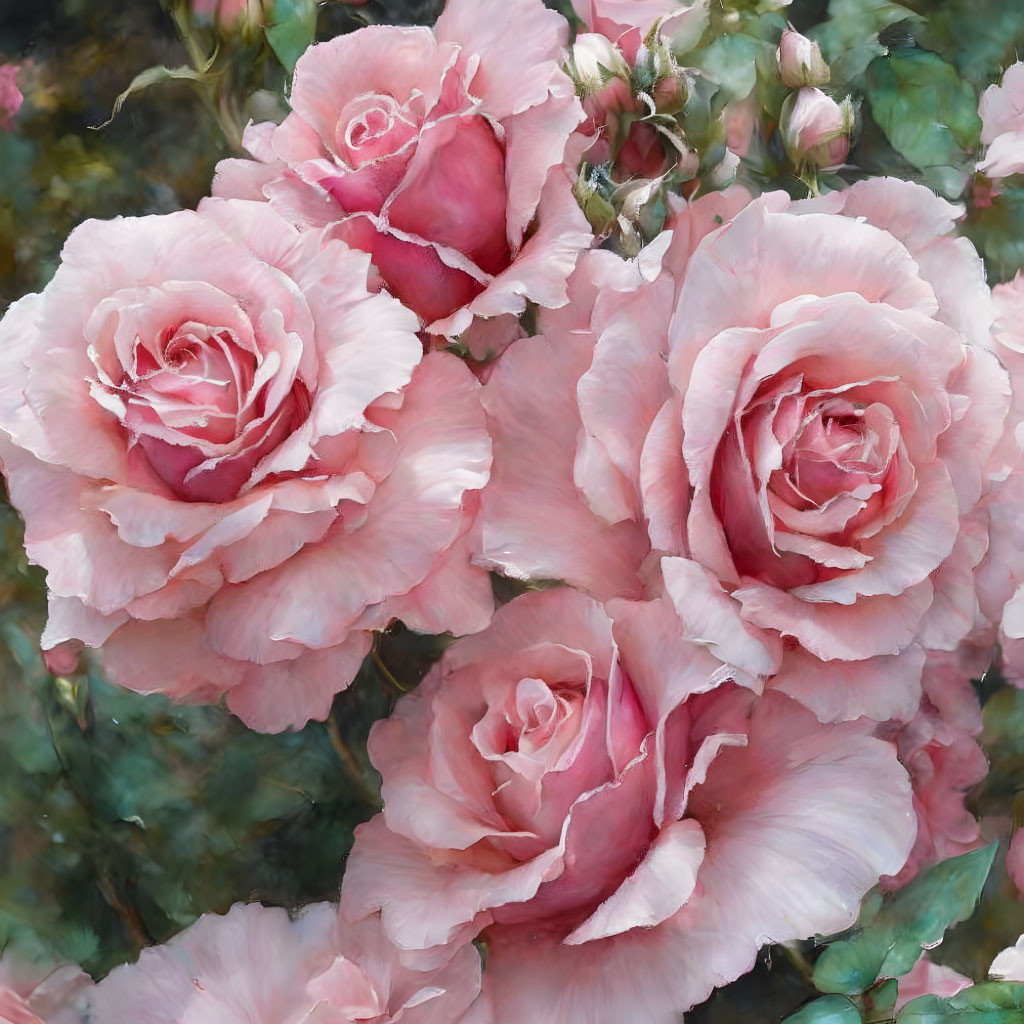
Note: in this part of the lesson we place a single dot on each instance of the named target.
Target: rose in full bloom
(618, 814)
(32, 994)
(440, 153)
(1002, 125)
(229, 458)
(255, 964)
(939, 750)
(785, 414)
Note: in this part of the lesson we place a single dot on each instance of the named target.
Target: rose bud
(229, 14)
(595, 60)
(816, 129)
(800, 61)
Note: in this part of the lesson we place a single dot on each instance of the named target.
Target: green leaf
(849, 39)
(291, 27)
(828, 1010)
(991, 1003)
(914, 918)
(928, 113)
(152, 76)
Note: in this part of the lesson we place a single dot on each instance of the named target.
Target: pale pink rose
(228, 454)
(255, 965)
(938, 748)
(440, 153)
(816, 129)
(813, 459)
(929, 979)
(685, 19)
(35, 994)
(1002, 125)
(854, 365)
(618, 815)
(10, 95)
(800, 61)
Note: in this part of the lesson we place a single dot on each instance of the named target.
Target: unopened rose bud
(595, 59)
(800, 61)
(229, 14)
(816, 129)
(10, 95)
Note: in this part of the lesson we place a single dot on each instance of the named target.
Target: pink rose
(800, 61)
(254, 964)
(616, 813)
(813, 457)
(929, 979)
(440, 153)
(32, 994)
(10, 95)
(1002, 125)
(939, 750)
(228, 454)
(1009, 964)
(816, 129)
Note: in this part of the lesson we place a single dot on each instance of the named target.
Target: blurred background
(122, 817)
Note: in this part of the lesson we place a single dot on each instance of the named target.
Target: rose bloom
(786, 415)
(229, 458)
(939, 749)
(440, 153)
(618, 814)
(255, 964)
(32, 994)
(1002, 125)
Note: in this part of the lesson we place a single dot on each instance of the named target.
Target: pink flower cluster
(773, 460)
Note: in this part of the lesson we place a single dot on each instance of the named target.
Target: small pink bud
(62, 660)
(800, 61)
(10, 95)
(816, 129)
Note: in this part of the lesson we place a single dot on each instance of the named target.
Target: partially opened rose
(439, 152)
(798, 404)
(255, 965)
(229, 457)
(622, 821)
